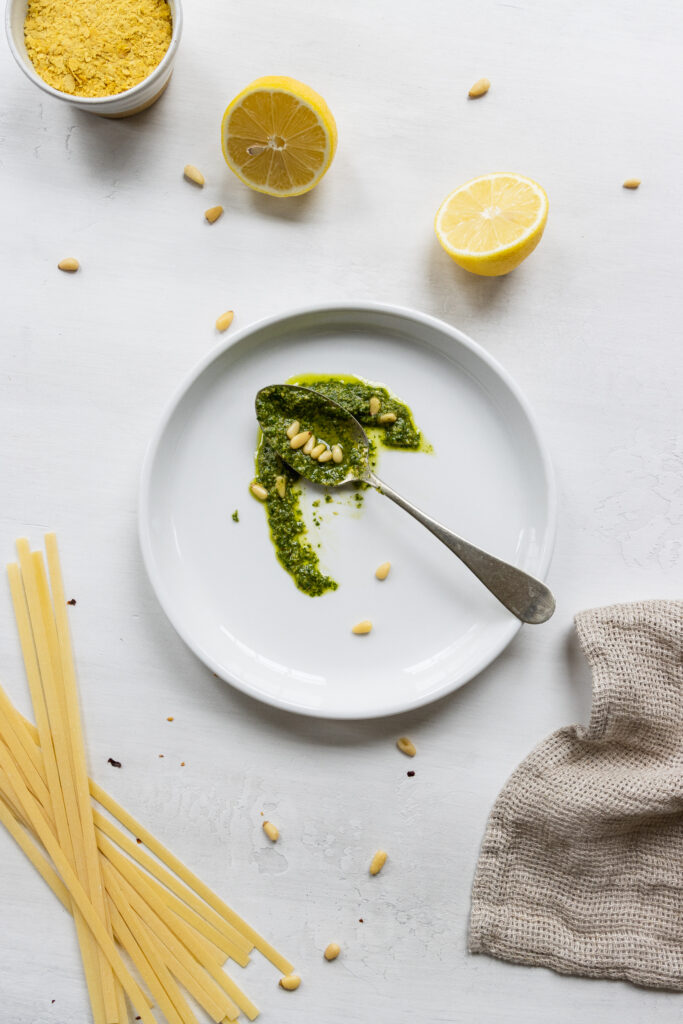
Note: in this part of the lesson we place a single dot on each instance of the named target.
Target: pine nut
(317, 451)
(213, 213)
(387, 417)
(332, 951)
(280, 486)
(194, 175)
(271, 831)
(326, 456)
(382, 571)
(631, 183)
(224, 320)
(293, 429)
(310, 445)
(258, 490)
(299, 440)
(479, 88)
(378, 862)
(406, 746)
(337, 453)
(290, 982)
(362, 627)
(70, 264)
(375, 405)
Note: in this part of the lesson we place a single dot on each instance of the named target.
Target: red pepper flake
(170, 718)
(182, 764)
(72, 601)
(410, 774)
(161, 755)
(138, 840)
(113, 763)
(360, 920)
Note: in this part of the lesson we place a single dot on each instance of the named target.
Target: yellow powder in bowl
(96, 47)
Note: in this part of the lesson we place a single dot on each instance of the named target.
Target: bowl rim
(96, 102)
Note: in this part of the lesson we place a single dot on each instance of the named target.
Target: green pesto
(236, 516)
(354, 395)
(287, 527)
(285, 518)
(276, 411)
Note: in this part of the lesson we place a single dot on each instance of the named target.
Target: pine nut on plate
(194, 175)
(213, 213)
(70, 264)
(480, 88)
(224, 320)
(378, 862)
(271, 831)
(258, 490)
(293, 429)
(290, 982)
(362, 627)
(332, 951)
(406, 746)
(300, 439)
(382, 571)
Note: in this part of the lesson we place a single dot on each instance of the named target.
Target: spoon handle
(527, 598)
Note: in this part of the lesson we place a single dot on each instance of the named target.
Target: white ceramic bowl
(123, 104)
(435, 626)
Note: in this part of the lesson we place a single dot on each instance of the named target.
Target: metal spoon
(280, 404)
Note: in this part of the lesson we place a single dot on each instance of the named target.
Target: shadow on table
(458, 292)
(295, 209)
(327, 732)
(579, 676)
(113, 144)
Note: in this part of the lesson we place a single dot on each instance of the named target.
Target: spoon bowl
(280, 406)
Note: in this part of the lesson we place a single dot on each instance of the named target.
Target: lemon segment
(491, 224)
(279, 136)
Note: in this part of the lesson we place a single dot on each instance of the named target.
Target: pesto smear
(283, 504)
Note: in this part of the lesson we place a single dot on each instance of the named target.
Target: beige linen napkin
(581, 867)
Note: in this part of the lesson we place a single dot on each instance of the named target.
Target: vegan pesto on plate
(388, 422)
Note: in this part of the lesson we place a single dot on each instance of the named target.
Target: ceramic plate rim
(453, 682)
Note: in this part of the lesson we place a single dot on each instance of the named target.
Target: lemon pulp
(279, 136)
(491, 224)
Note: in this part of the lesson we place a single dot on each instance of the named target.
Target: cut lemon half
(492, 223)
(279, 136)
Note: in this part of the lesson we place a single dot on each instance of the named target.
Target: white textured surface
(583, 96)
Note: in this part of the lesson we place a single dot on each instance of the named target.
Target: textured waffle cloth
(581, 867)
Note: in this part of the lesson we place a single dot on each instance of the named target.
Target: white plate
(435, 625)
